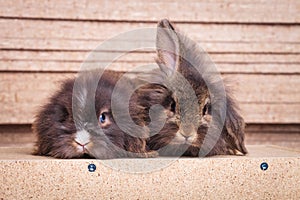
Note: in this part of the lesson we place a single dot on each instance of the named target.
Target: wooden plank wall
(256, 43)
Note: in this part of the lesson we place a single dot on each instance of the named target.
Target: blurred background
(255, 43)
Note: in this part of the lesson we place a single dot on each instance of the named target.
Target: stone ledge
(222, 177)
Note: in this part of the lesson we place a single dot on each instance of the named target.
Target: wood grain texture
(271, 113)
(83, 45)
(16, 135)
(56, 61)
(86, 36)
(285, 135)
(139, 56)
(254, 11)
(82, 30)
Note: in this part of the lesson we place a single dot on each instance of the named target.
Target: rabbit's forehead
(188, 111)
(105, 109)
(103, 106)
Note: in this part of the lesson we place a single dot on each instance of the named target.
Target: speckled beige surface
(24, 176)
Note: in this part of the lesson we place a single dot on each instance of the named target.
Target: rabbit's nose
(188, 130)
(82, 137)
(186, 137)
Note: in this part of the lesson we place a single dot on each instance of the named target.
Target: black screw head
(264, 166)
(92, 167)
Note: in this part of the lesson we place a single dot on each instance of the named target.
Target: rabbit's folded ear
(168, 47)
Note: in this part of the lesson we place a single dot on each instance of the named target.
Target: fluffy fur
(187, 126)
(188, 95)
(57, 135)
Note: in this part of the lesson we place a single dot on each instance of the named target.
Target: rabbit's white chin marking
(82, 138)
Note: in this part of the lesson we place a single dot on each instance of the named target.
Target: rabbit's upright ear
(168, 47)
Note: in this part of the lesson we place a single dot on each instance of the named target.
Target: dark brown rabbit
(195, 124)
(68, 126)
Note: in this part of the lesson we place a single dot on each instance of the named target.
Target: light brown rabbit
(202, 117)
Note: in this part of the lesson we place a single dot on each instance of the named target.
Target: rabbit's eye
(102, 118)
(173, 106)
(207, 109)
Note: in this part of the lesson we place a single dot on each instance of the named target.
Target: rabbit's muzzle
(187, 130)
(186, 134)
(82, 141)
